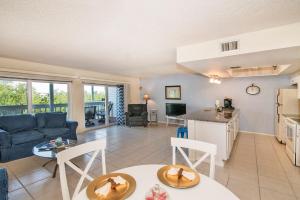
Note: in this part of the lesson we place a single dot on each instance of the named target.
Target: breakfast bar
(220, 128)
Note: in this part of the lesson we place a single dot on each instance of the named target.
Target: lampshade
(146, 97)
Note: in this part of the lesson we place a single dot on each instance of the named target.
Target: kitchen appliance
(287, 105)
(228, 103)
(293, 139)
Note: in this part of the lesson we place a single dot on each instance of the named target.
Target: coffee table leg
(46, 163)
(54, 172)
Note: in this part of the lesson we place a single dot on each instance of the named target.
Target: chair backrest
(90, 112)
(65, 156)
(207, 148)
(137, 109)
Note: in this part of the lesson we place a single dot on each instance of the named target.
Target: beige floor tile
(33, 176)
(267, 194)
(296, 189)
(23, 165)
(275, 185)
(45, 189)
(13, 182)
(19, 194)
(252, 155)
(244, 176)
(272, 172)
(243, 190)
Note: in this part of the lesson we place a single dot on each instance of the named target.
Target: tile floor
(258, 168)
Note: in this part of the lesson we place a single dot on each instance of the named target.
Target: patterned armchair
(137, 115)
(3, 184)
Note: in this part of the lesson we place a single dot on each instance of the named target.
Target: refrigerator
(287, 105)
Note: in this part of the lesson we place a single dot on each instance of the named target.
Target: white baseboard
(170, 123)
(257, 133)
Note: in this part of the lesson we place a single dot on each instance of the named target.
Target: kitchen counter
(211, 115)
(220, 128)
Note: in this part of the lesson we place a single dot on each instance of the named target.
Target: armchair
(137, 115)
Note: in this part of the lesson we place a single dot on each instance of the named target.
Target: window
(49, 97)
(45, 97)
(13, 97)
(40, 97)
(61, 99)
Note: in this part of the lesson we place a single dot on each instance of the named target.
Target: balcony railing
(41, 108)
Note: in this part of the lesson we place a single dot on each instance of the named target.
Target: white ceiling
(136, 38)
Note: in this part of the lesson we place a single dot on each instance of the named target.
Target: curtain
(120, 105)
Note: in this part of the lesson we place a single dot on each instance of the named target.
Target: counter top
(211, 115)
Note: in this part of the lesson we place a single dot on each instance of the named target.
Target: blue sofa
(20, 133)
(3, 184)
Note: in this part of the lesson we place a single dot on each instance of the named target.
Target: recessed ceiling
(288, 60)
(136, 38)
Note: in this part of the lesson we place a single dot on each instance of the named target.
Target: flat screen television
(175, 109)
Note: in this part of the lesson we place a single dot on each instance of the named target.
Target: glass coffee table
(50, 153)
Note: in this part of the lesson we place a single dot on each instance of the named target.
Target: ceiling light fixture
(215, 79)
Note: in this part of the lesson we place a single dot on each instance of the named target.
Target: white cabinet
(230, 137)
(221, 134)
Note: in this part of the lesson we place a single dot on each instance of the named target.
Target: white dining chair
(208, 149)
(65, 156)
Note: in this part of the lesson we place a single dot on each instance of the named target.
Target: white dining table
(146, 177)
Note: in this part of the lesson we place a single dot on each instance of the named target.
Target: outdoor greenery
(98, 95)
(15, 93)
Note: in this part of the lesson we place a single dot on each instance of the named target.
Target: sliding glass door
(95, 105)
(100, 105)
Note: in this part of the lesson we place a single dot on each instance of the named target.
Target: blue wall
(257, 112)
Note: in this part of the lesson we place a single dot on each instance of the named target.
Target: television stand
(180, 118)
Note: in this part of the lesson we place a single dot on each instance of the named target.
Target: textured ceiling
(136, 38)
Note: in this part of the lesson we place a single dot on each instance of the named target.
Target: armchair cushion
(26, 136)
(24, 123)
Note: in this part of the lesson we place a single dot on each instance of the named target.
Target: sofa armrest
(5, 139)
(72, 125)
(3, 184)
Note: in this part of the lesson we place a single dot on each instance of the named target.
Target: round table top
(146, 178)
(48, 153)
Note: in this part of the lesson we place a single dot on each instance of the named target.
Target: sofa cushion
(137, 119)
(40, 120)
(54, 132)
(16, 123)
(56, 120)
(26, 136)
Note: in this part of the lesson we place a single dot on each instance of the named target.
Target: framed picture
(173, 92)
